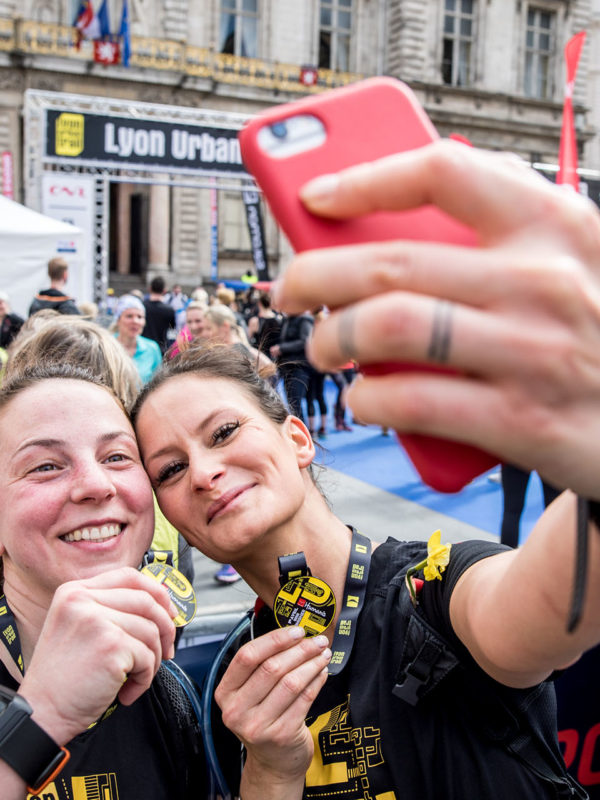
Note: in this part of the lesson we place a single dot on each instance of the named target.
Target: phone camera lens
(279, 130)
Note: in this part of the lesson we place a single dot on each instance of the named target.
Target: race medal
(179, 588)
(305, 601)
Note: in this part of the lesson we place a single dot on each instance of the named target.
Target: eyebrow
(106, 437)
(201, 427)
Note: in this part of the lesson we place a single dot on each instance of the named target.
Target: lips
(222, 502)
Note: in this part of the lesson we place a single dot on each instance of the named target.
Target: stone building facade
(491, 70)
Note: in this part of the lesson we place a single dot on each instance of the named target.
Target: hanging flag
(256, 230)
(107, 52)
(103, 20)
(567, 156)
(125, 35)
(86, 22)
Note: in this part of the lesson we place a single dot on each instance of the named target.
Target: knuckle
(392, 266)
(271, 667)
(292, 684)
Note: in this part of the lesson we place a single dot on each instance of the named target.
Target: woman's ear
(302, 440)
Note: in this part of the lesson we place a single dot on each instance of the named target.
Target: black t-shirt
(132, 753)
(160, 319)
(372, 744)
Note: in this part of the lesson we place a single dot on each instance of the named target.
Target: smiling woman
(425, 672)
(76, 517)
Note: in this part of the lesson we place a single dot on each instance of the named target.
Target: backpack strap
(181, 708)
(218, 783)
(426, 660)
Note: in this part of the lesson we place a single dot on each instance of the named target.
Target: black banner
(101, 140)
(256, 229)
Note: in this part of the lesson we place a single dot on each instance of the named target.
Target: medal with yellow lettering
(177, 585)
(302, 600)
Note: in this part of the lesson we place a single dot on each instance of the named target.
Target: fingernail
(321, 641)
(320, 188)
(327, 654)
(296, 632)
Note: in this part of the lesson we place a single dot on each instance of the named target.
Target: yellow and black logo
(305, 601)
(69, 130)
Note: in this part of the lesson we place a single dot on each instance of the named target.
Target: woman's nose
(92, 482)
(204, 472)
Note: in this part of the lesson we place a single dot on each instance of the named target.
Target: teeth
(93, 534)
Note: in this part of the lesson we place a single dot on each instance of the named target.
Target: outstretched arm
(511, 609)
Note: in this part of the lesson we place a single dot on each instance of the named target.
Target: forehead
(188, 396)
(60, 404)
(133, 312)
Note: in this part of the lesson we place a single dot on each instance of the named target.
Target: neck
(60, 285)
(318, 533)
(30, 612)
(128, 342)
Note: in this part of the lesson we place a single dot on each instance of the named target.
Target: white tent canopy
(28, 240)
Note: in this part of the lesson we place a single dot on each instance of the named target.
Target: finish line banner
(102, 140)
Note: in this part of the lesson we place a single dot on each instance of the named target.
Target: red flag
(107, 52)
(567, 156)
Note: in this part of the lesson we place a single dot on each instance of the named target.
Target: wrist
(46, 715)
(27, 749)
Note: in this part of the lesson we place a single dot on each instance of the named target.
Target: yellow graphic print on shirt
(343, 758)
(85, 787)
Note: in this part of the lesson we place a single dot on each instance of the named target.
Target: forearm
(517, 605)
(259, 784)
(13, 786)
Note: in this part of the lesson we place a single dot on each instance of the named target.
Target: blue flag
(103, 19)
(125, 35)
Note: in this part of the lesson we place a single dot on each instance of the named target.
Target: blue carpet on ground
(365, 453)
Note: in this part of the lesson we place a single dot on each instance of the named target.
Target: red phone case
(363, 122)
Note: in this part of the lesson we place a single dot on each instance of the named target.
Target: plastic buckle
(51, 771)
(408, 690)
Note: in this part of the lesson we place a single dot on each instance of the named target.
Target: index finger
(481, 189)
(130, 578)
(255, 652)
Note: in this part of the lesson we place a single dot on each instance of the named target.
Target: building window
(539, 49)
(459, 36)
(239, 28)
(335, 28)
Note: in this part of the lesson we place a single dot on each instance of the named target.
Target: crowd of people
(432, 649)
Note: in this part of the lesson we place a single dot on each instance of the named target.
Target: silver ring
(441, 333)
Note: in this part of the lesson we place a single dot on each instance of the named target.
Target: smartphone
(286, 146)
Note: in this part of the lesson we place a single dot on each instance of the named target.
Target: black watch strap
(29, 750)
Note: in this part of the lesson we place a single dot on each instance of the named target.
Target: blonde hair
(81, 343)
(225, 295)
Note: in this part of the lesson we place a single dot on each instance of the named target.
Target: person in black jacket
(292, 363)
(10, 324)
(54, 297)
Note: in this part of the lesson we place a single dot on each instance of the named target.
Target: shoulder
(148, 345)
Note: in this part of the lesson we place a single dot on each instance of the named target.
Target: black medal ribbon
(355, 589)
(9, 635)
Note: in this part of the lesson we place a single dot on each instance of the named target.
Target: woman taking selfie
(418, 701)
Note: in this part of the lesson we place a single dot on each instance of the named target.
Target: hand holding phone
(288, 145)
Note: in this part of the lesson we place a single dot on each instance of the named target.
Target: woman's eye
(168, 471)
(44, 468)
(224, 432)
(116, 458)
